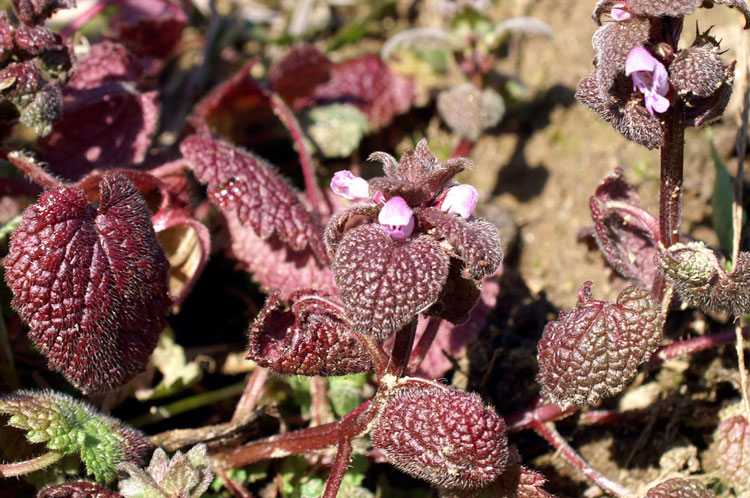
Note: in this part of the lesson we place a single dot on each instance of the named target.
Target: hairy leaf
(730, 452)
(70, 426)
(343, 220)
(656, 8)
(36, 11)
(91, 283)
(31, 41)
(241, 183)
(312, 338)
(336, 129)
(592, 351)
(184, 475)
(369, 84)
(680, 488)
(469, 111)
(107, 122)
(701, 281)
(151, 27)
(79, 489)
(273, 264)
(627, 235)
(475, 241)
(37, 102)
(442, 435)
(384, 283)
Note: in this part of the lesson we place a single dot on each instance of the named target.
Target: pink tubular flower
(620, 12)
(461, 199)
(397, 218)
(348, 186)
(649, 77)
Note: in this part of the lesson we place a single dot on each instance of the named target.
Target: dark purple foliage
(680, 488)
(627, 235)
(107, 121)
(368, 83)
(442, 435)
(36, 11)
(296, 76)
(385, 283)
(79, 489)
(149, 27)
(90, 282)
(37, 102)
(730, 452)
(592, 351)
(312, 338)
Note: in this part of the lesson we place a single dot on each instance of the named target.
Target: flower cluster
(426, 247)
(640, 74)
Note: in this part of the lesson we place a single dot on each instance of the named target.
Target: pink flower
(397, 218)
(620, 12)
(649, 77)
(348, 186)
(461, 199)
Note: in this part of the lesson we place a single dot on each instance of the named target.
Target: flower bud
(461, 199)
(348, 186)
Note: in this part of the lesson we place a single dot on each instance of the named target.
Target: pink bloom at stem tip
(650, 78)
(461, 199)
(397, 218)
(620, 12)
(348, 186)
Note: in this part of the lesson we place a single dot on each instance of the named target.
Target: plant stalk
(16, 469)
(340, 465)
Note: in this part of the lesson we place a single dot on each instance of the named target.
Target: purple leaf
(90, 282)
(627, 235)
(241, 183)
(31, 41)
(37, 102)
(475, 241)
(699, 279)
(385, 283)
(680, 488)
(295, 76)
(730, 452)
(312, 338)
(592, 351)
(151, 27)
(79, 489)
(458, 297)
(36, 11)
(369, 84)
(442, 435)
(107, 122)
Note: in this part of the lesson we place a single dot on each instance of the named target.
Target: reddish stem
(33, 170)
(463, 149)
(690, 346)
(321, 407)
(556, 440)
(401, 351)
(235, 488)
(378, 357)
(16, 469)
(84, 17)
(314, 195)
(352, 425)
(250, 396)
(425, 341)
(340, 465)
(538, 415)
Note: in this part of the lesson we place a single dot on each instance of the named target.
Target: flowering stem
(425, 341)
(670, 189)
(402, 347)
(16, 469)
(548, 432)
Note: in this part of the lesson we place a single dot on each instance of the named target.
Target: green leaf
(301, 393)
(345, 392)
(177, 373)
(722, 200)
(337, 129)
(70, 426)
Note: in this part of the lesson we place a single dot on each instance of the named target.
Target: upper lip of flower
(649, 77)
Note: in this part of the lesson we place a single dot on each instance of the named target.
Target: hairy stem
(237, 489)
(33, 170)
(377, 355)
(343, 457)
(250, 395)
(670, 189)
(16, 469)
(548, 432)
(321, 408)
(87, 15)
(425, 341)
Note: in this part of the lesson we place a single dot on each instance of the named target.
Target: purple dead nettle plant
(409, 245)
(649, 89)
